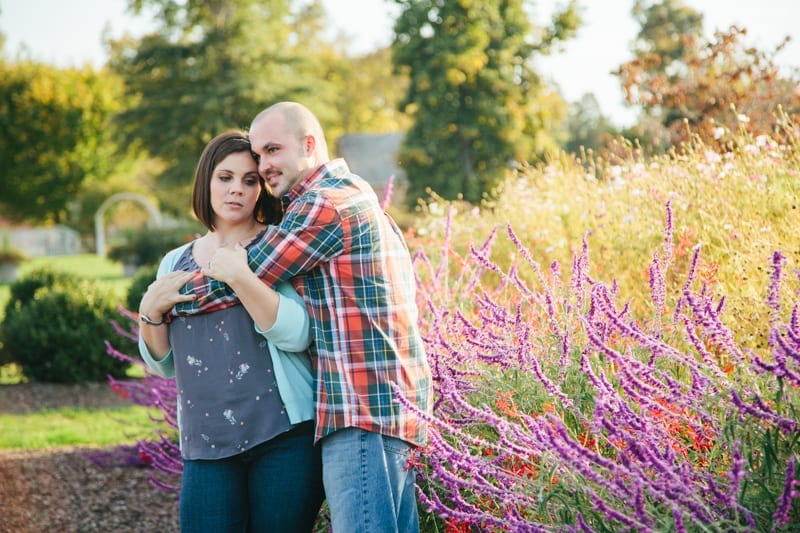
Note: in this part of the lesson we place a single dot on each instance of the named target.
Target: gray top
(228, 400)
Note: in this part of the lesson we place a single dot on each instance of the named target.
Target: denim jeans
(368, 482)
(274, 487)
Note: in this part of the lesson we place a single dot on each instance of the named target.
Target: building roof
(373, 156)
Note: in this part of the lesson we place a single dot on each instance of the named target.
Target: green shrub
(23, 290)
(57, 331)
(141, 280)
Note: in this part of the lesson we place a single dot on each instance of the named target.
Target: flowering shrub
(558, 409)
(162, 452)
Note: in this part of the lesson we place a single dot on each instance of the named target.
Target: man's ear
(310, 145)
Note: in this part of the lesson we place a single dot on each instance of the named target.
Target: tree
(668, 29)
(372, 94)
(586, 126)
(476, 103)
(212, 66)
(55, 136)
(690, 86)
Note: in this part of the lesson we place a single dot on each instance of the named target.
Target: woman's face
(235, 188)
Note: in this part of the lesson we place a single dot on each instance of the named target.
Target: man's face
(283, 159)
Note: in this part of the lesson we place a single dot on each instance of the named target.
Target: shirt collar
(330, 169)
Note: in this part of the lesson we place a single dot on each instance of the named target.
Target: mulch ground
(75, 489)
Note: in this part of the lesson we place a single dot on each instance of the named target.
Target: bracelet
(147, 320)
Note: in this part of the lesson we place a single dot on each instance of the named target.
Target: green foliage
(44, 271)
(56, 326)
(55, 135)
(24, 289)
(667, 29)
(141, 280)
(134, 173)
(371, 102)
(476, 103)
(10, 373)
(586, 126)
(211, 67)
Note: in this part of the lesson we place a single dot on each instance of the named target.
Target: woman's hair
(268, 209)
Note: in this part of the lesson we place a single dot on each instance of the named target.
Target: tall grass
(739, 206)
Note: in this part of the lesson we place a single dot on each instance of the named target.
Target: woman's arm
(157, 301)
(291, 331)
(229, 265)
(279, 314)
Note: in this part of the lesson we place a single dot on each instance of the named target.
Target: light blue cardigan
(288, 339)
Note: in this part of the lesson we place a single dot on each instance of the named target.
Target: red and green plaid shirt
(348, 259)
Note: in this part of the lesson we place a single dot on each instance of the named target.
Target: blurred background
(107, 104)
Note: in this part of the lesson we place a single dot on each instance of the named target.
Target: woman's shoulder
(171, 258)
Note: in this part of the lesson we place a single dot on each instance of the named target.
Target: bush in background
(147, 247)
(141, 280)
(55, 328)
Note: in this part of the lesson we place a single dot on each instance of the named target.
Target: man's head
(289, 144)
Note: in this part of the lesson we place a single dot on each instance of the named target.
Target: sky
(69, 33)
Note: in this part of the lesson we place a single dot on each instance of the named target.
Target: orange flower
(454, 526)
(505, 405)
(685, 243)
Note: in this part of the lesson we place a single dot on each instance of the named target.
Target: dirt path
(75, 489)
(62, 490)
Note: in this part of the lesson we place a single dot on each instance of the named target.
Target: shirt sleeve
(291, 331)
(164, 367)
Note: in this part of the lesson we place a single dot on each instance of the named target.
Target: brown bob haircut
(268, 209)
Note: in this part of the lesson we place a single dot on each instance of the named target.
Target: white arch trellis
(99, 229)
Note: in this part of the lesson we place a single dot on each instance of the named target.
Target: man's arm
(310, 233)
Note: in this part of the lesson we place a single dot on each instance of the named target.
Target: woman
(244, 382)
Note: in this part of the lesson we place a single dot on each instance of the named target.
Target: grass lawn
(74, 427)
(90, 266)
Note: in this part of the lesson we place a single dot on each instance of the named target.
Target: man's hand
(228, 265)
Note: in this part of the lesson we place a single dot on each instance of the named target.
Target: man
(349, 261)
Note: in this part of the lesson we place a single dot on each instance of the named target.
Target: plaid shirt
(349, 261)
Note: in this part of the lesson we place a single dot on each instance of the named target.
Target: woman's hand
(164, 293)
(228, 265)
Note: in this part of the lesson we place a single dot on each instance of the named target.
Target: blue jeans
(368, 482)
(274, 487)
